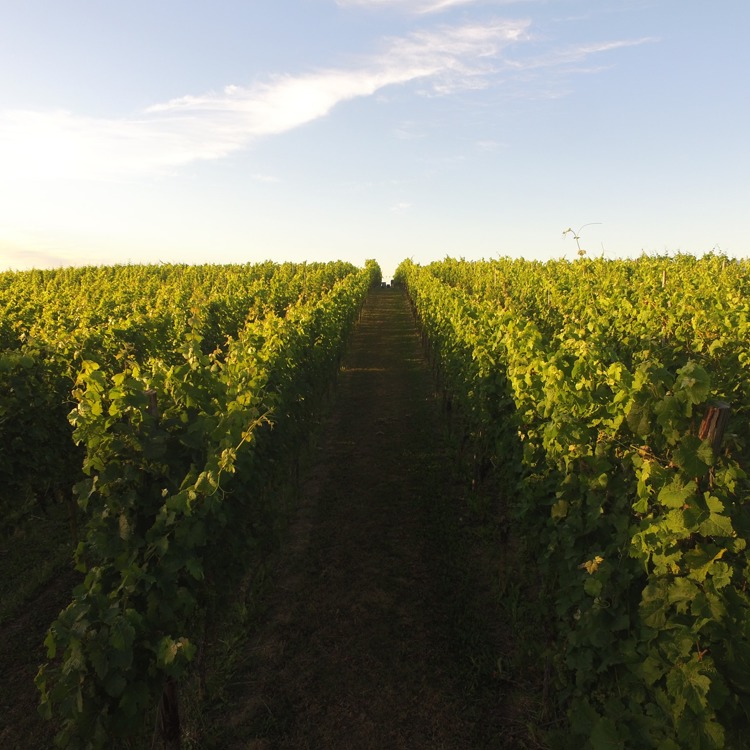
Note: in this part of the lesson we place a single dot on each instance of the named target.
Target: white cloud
(419, 6)
(401, 207)
(410, 6)
(166, 136)
(61, 144)
(568, 55)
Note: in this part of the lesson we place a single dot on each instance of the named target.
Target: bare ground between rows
(21, 652)
(378, 631)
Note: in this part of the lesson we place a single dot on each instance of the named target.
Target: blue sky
(184, 131)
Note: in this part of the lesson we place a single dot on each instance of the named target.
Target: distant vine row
(179, 456)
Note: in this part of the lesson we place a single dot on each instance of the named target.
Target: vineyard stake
(714, 424)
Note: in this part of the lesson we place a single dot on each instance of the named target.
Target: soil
(382, 629)
(21, 652)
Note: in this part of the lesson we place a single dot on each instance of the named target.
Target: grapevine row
(585, 386)
(181, 454)
(52, 321)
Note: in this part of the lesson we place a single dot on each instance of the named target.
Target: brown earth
(21, 653)
(382, 629)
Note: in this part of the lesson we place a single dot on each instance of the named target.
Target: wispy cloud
(562, 56)
(420, 7)
(409, 6)
(409, 131)
(400, 208)
(165, 136)
(171, 134)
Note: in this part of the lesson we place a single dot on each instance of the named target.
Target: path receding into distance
(380, 628)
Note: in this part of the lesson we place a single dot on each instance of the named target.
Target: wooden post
(169, 716)
(714, 424)
(153, 404)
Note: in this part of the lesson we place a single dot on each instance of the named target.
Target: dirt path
(21, 652)
(377, 633)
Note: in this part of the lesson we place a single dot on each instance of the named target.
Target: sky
(232, 132)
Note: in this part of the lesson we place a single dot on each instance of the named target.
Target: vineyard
(191, 389)
(613, 398)
(595, 413)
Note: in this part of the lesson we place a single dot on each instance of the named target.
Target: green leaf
(134, 699)
(669, 413)
(560, 509)
(681, 592)
(592, 586)
(195, 568)
(705, 453)
(685, 682)
(721, 574)
(51, 643)
(717, 526)
(638, 418)
(709, 606)
(701, 561)
(652, 670)
(676, 494)
(714, 733)
(169, 651)
(100, 662)
(693, 383)
(121, 635)
(582, 717)
(604, 736)
(690, 456)
(654, 605)
(114, 684)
